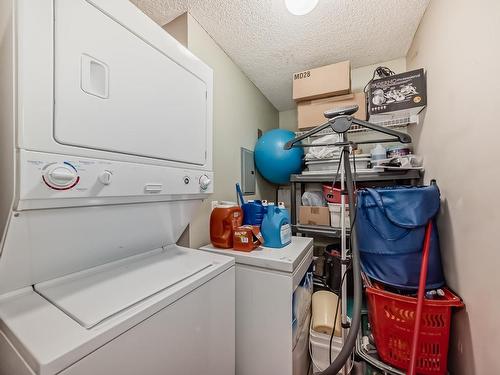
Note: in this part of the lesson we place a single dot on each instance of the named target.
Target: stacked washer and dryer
(106, 154)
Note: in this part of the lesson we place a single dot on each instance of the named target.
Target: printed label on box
(398, 92)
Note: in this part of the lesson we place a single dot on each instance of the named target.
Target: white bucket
(335, 209)
(324, 304)
(319, 344)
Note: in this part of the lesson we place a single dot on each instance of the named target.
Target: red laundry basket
(392, 318)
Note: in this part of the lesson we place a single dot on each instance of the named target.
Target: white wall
(7, 113)
(359, 78)
(240, 109)
(457, 42)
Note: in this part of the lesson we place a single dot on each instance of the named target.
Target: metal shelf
(411, 174)
(396, 123)
(322, 230)
(374, 360)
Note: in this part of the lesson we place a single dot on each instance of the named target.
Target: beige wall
(361, 75)
(240, 109)
(178, 28)
(457, 42)
(288, 119)
(359, 78)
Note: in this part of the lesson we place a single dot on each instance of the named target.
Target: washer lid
(91, 296)
(286, 259)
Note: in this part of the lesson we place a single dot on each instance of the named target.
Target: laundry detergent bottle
(253, 213)
(223, 221)
(275, 227)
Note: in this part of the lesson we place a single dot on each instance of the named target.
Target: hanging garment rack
(340, 120)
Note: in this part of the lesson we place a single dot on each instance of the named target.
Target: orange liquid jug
(223, 220)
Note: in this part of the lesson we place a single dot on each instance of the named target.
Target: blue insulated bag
(390, 228)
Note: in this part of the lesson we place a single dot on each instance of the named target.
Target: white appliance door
(118, 286)
(116, 92)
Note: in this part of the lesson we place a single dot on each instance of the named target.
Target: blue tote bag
(390, 229)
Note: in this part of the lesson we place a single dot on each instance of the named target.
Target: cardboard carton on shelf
(314, 215)
(397, 96)
(325, 81)
(310, 112)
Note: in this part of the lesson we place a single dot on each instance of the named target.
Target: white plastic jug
(378, 153)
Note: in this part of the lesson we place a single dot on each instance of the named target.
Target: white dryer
(106, 154)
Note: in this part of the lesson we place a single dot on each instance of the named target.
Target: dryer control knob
(204, 182)
(61, 176)
(105, 177)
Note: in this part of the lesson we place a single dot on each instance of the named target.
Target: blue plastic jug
(283, 209)
(275, 227)
(253, 212)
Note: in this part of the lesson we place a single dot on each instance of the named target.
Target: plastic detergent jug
(253, 212)
(223, 220)
(275, 227)
(281, 206)
(247, 238)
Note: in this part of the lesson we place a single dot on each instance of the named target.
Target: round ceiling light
(300, 7)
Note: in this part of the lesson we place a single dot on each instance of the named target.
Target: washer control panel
(48, 176)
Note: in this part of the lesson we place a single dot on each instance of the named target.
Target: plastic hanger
(340, 121)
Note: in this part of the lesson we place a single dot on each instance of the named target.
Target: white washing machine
(98, 183)
(273, 305)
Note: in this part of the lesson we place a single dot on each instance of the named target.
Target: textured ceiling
(269, 44)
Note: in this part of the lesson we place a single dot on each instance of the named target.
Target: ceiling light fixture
(300, 7)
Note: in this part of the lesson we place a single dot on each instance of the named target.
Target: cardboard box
(314, 215)
(397, 96)
(329, 80)
(310, 112)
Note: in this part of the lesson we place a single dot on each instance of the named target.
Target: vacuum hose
(351, 338)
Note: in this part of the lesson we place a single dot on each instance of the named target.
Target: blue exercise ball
(273, 162)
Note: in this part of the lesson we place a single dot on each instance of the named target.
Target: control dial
(61, 176)
(105, 177)
(204, 182)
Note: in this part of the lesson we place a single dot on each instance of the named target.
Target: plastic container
(313, 198)
(223, 220)
(281, 206)
(275, 227)
(323, 310)
(331, 166)
(319, 344)
(378, 153)
(301, 307)
(398, 150)
(392, 319)
(247, 238)
(335, 210)
(332, 194)
(253, 212)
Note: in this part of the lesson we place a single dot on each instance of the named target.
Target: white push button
(153, 188)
